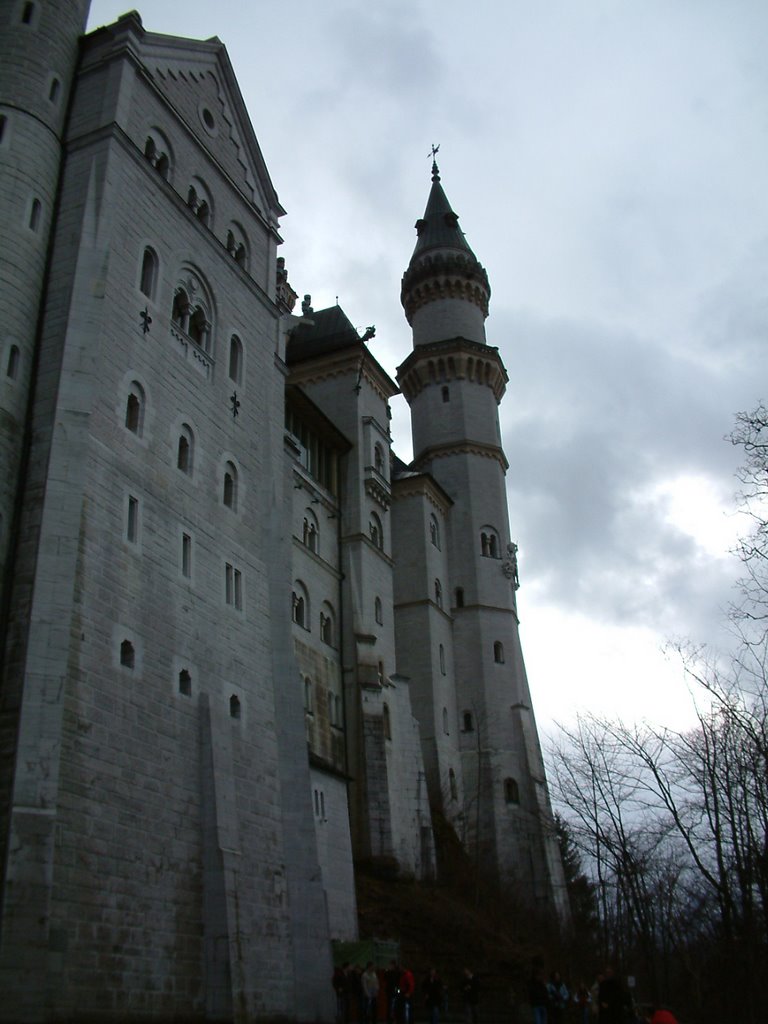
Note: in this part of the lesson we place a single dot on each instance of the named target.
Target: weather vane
(435, 151)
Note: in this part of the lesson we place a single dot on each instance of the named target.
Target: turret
(445, 289)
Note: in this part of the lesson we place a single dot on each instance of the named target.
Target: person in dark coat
(433, 995)
(612, 999)
(537, 996)
(470, 994)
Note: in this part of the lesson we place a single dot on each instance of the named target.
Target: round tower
(453, 382)
(38, 61)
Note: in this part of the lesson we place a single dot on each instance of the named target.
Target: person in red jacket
(407, 987)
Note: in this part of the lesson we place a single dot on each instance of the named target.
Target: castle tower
(453, 382)
(38, 58)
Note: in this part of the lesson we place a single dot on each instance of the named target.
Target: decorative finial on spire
(433, 154)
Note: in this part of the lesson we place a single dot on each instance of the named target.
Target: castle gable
(197, 80)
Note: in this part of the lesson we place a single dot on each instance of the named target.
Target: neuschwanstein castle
(244, 646)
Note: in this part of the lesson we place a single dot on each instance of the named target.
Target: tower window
(327, 625)
(148, 279)
(445, 721)
(230, 486)
(459, 597)
(3, 123)
(511, 791)
(378, 458)
(185, 683)
(438, 594)
(467, 724)
(186, 555)
(376, 532)
(308, 703)
(378, 611)
(134, 409)
(452, 784)
(386, 721)
(235, 359)
(434, 531)
(442, 659)
(233, 586)
(185, 450)
(12, 366)
(54, 90)
(132, 520)
(300, 605)
(489, 543)
(35, 214)
(498, 652)
(27, 13)
(310, 535)
(235, 709)
(127, 654)
(445, 391)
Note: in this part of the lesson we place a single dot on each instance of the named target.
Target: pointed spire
(439, 227)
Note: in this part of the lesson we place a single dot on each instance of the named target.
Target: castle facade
(245, 648)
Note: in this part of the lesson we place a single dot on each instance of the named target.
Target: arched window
(235, 709)
(445, 721)
(511, 791)
(235, 359)
(185, 450)
(489, 542)
(148, 278)
(54, 90)
(134, 409)
(452, 784)
(380, 673)
(199, 201)
(310, 534)
(467, 724)
(237, 245)
(229, 495)
(378, 458)
(459, 594)
(158, 153)
(127, 654)
(498, 652)
(378, 611)
(185, 683)
(300, 605)
(434, 531)
(375, 531)
(35, 214)
(438, 594)
(327, 624)
(12, 366)
(191, 310)
(386, 721)
(442, 659)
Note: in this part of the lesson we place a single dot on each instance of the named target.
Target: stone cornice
(356, 361)
(442, 451)
(454, 359)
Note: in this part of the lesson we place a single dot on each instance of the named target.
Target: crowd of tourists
(368, 996)
(365, 996)
(606, 1001)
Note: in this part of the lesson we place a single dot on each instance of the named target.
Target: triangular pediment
(197, 80)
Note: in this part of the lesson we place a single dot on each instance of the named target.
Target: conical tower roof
(443, 265)
(439, 227)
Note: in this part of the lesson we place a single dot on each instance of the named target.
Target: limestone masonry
(245, 648)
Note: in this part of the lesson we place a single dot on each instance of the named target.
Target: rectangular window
(132, 520)
(233, 586)
(186, 555)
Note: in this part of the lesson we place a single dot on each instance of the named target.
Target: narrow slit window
(127, 654)
(185, 683)
(54, 90)
(186, 555)
(235, 709)
(12, 367)
(148, 273)
(27, 13)
(35, 214)
(132, 522)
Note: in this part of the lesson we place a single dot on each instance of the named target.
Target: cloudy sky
(609, 163)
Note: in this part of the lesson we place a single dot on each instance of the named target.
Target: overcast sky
(608, 160)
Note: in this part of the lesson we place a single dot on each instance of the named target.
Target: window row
(232, 576)
(333, 703)
(300, 613)
(127, 657)
(199, 199)
(184, 452)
